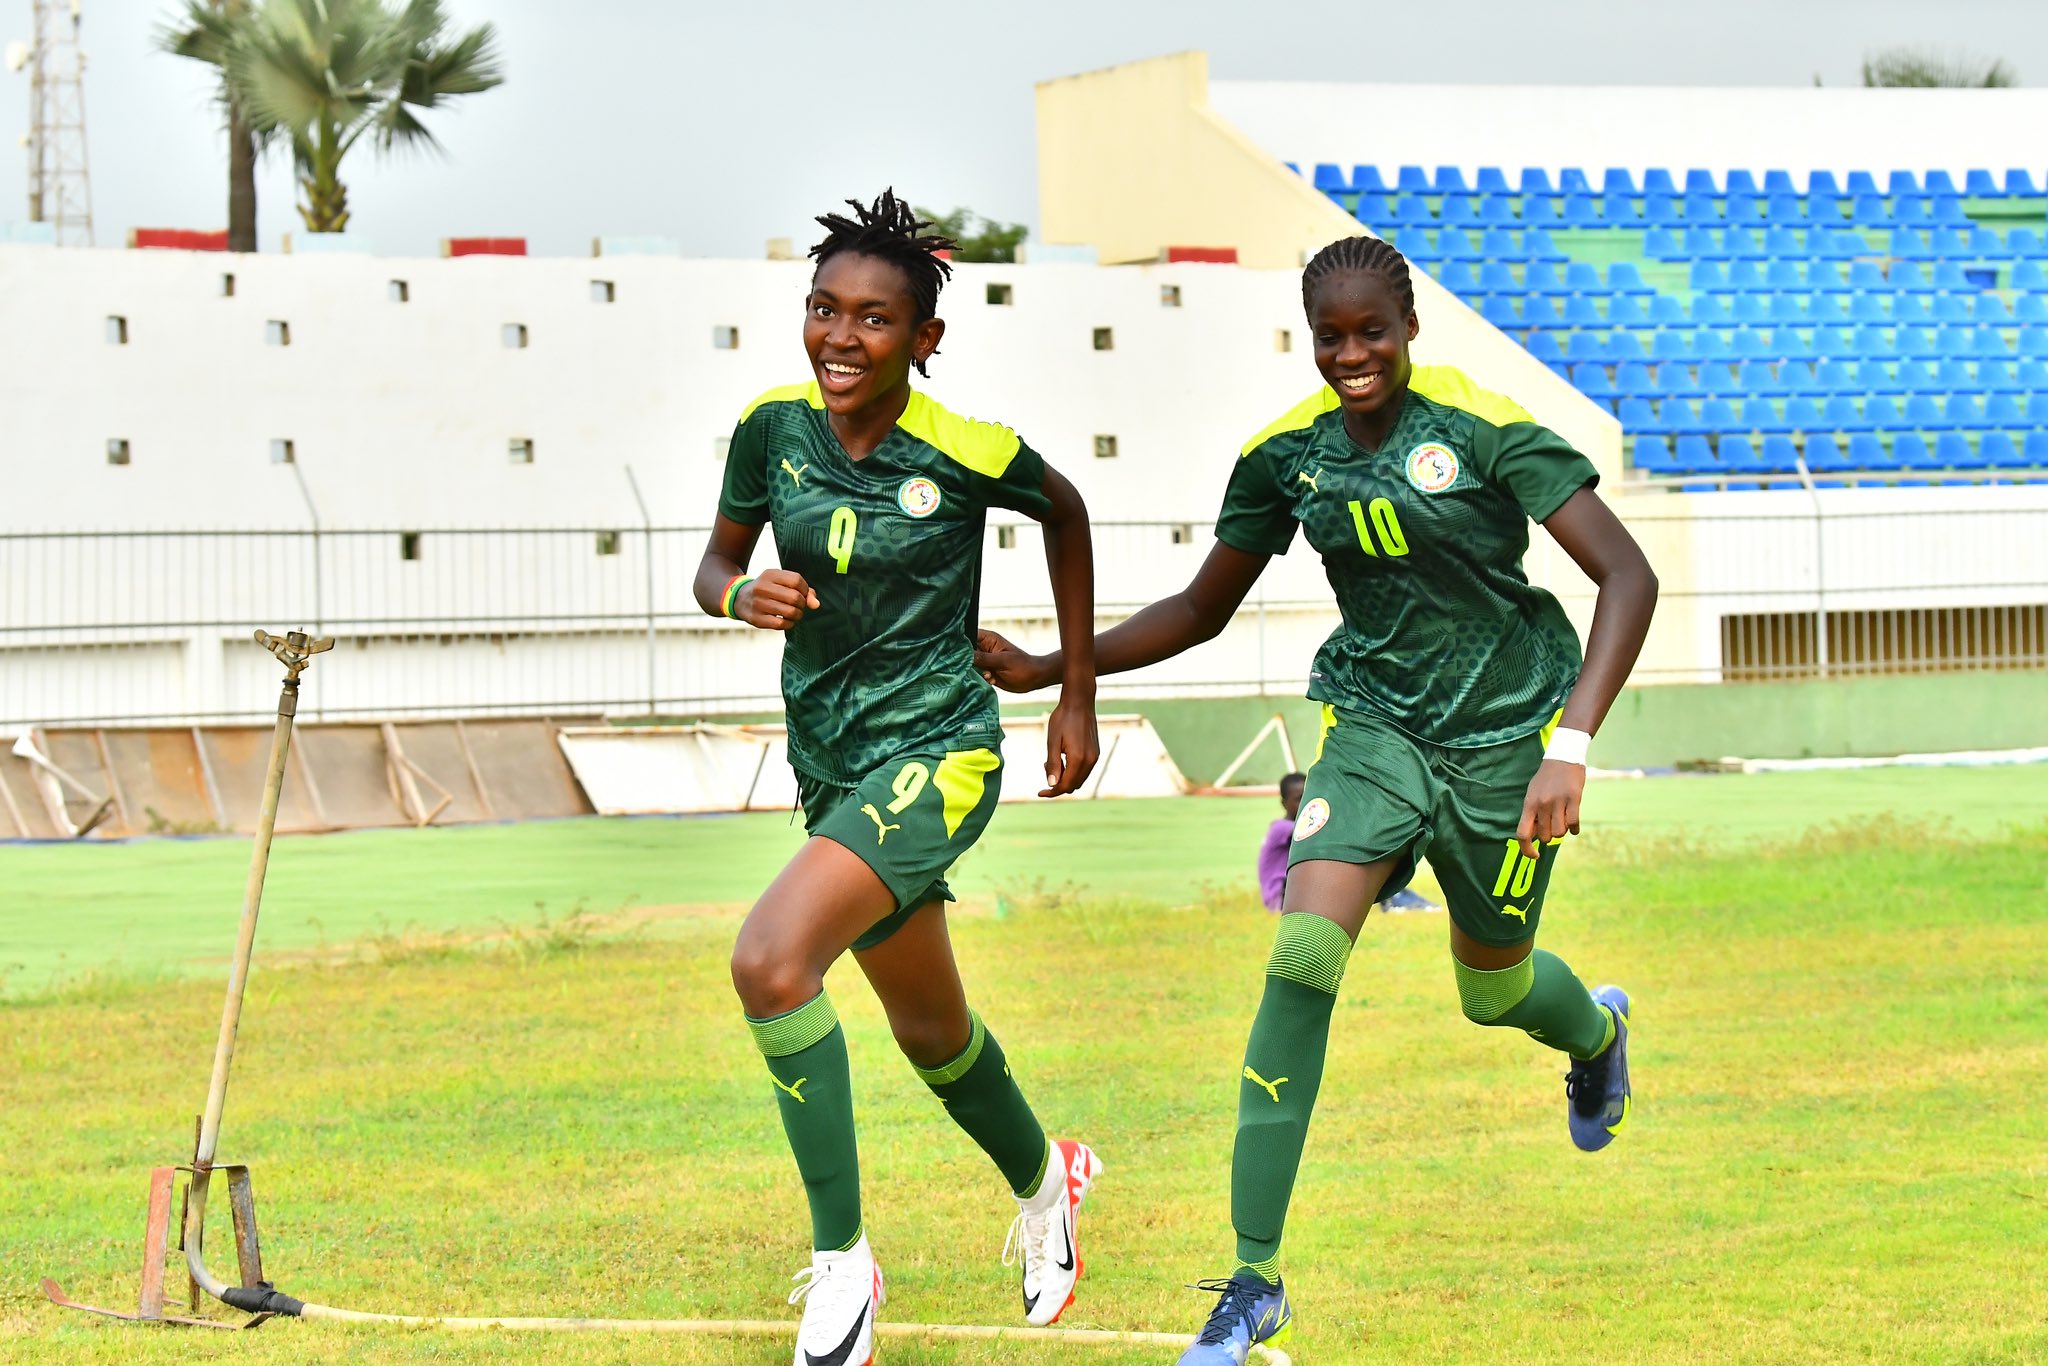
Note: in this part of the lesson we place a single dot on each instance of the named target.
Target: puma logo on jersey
(1310, 479)
(795, 1088)
(881, 830)
(1517, 912)
(795, 473)
(1271, 1088)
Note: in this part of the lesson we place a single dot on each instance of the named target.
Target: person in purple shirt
(1273, 849)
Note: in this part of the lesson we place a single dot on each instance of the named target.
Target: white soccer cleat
(840, 1294)
(1043, 1235)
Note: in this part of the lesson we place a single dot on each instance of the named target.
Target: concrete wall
(1676, 127)
(1133, 159)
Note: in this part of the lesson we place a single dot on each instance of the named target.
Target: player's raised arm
(1071, 742)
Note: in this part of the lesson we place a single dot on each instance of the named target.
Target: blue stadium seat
(1694, 455)
(1718, 377)
(1938, 184)
(1616, 180)
(1980, 185)
(1584, 348)
(1778, 182)
(1537, 246)
(1544, 346)
(1986, 343)
(1840, 415)
(1778, 455)
(1591, 379)
(1624, 348)
(1924, 411)
(1839, 245)
(1946, 245)
(1458, 212)
(2024, 242)
(1701, 211)
(1909, 451)
(1666, 311)
(1948, 213)
(1828, 210)
(1799, 379)
(1657, 180)
(1913, 343)
(1822, 182)
(2020, 183)
(1908, 245)
(1637, 415)
(1678, 380)
(2035, 453)
(1662, 211)
(1785, 242)
(1758, 415)
(1858, 184)
(1500, 311)
(1411, 212)
(1805, 416)
(1500, 246)
(1869, 309)
(1497, 211)
(1871, 342)
(1866, 452)
(1907, 277)
(1412, 180)
(1571, 180)
(1952, 451)
(1366, 180)
(1580, 212)
(1962, 412)
(1680, 418)
(1540, 213)
(1707, 277)
(1541, 310)
(1746, 245)
(1376, 211)
(1825, 310)
(1867, 278)
(1662, 244)
(1746, 276)
(1823, 456)
(1582, 310)
(1949, 277)
(2033, 376)
(1952, 308)
(1491, 180)
(1634, 377)
(1752, 310)
(2031, 308)
(1414, 244)
(1739, 182)
(1627, 310)
(1882, 412)
(2031, 276)
(1671, 345)
(1995, 450)
(1450, 180)
(1757, 377)
(1455, 244)
(1749, 343)
(1582, 277)
(1955, 376)
(1739, 457)
(1743, 210)
(1912, 310)
(1458, 277)
(1709, 346)
(1331, 179)
(1782, 274)
(1868, 211)
(1788, 310)
(1986, 245)
(1652, 455)
(1536, 181)
(1705, 244)
(2004, 411)
(1701, 182)
(1996, 376)
(1912, 211)
(1917, 377)
(1838, 376)
(1624, 278)
(1497, 277)
(1902, 182)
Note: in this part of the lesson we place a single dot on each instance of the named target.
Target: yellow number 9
(909, 782)
(840, 544)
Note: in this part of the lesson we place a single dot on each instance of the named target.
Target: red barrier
(483, 246)
(178, 239)
(1215, 256)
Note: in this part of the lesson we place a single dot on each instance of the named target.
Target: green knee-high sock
(806, 1053)
(1283, 1070)
(1540, 996)
(982, 1097)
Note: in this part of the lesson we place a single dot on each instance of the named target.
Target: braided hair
(1368, 254)
(890, 230)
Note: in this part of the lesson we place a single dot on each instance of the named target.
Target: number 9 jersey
(1422, 541)
(891, 544)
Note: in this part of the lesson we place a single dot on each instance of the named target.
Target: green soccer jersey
(1422, 541)
(891, 544)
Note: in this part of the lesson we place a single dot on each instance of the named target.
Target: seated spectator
(1273, 849)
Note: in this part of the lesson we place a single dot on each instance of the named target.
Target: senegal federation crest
(1314, 817)
(918, 497)
(1432, 467)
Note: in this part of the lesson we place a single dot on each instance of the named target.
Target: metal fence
(120, 627)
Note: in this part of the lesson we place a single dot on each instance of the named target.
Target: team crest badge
(1432, 467)
(1314, 817)
(918, 497)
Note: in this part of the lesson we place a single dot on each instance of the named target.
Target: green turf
(170, 907)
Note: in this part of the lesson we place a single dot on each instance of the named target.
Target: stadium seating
(1892, 322)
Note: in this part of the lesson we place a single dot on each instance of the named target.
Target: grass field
(463, 1098)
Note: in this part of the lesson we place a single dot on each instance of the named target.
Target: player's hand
(1010, 668)
(1551, 810)
(1071, 747)
(775, 601)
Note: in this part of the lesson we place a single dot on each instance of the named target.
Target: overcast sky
(723, 125)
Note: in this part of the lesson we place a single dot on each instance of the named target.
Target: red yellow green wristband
(732, 593)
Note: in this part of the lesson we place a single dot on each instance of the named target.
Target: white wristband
(1568, 746)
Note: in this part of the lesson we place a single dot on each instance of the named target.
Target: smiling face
(1361, 338)
(862, 333)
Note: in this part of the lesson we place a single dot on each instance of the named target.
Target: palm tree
(326, 72)
(206, 31)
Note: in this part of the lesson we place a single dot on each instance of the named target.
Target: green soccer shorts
(1376, 792)
(910, 820)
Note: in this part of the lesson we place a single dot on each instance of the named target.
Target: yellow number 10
(1384, 522)
(1516, 873)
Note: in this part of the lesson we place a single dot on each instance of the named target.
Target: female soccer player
(1441, 693)
(878, 497)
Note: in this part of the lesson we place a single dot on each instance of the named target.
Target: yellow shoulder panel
(984, 447)
(1452, 387)
(788, 393)
(1297, 418)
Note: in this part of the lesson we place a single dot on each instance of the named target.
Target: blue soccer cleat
(1596, 1089)
(1248, 1314)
